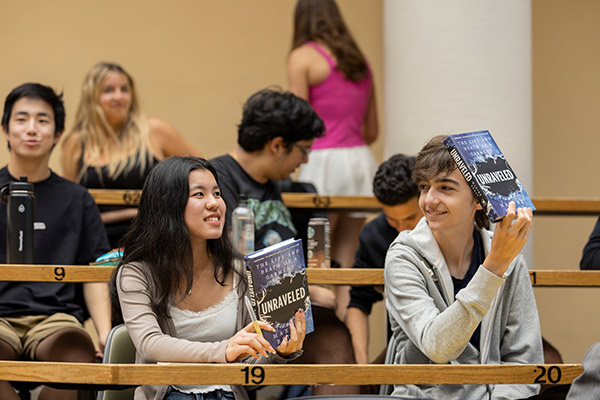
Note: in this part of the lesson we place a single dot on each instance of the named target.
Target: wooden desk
(544, 205)
(351, 276)
(292, 374)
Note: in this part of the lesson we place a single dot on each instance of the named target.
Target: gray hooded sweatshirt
(430, 325)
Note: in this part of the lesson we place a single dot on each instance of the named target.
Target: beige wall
(194, 62)
(566, 100)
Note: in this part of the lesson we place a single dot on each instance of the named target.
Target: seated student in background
(274, 137)
(591, 251)
(456, 295)
(43, 320)
(182, 297)
(113, 145)
(394, 187)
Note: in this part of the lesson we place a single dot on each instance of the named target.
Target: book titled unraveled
(487, 172)
(278, 287)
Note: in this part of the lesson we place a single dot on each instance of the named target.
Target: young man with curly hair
(274, 137)
(395, 189)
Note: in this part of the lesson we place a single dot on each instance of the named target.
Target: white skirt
(340, 171)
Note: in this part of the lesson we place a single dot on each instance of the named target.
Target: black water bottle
(19, 222)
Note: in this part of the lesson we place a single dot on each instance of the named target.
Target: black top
(374, 240)
(591, 251)
(476, 260)
(272, 219)
(98, 177)
(67, 231)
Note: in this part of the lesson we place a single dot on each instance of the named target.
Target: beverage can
(317, 246)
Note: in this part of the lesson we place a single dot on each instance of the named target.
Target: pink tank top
(341, 104)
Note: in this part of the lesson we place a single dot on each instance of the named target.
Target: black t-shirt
(272, 220)
(67, 231)
(374, 240)
(476, 260)
(132, 178)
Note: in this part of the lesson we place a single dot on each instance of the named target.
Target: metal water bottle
(242, 220)
(19, 222)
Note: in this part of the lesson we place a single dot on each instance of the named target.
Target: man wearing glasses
(274, 137)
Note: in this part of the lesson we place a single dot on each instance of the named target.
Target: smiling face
(403, 216)
(204, 213)
(447, 202)
(115, 98)
(31, 129)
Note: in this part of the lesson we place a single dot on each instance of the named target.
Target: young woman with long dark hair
(180, 289)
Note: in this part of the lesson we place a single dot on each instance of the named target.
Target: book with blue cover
(278, 287)
(487, 172)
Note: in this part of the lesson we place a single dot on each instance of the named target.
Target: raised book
(487, 172)
(278, 287)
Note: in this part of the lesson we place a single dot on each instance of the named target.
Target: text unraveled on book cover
(487, 172)
(279, 287)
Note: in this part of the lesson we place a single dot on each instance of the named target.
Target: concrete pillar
(459, 66)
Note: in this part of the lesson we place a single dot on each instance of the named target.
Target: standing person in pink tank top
(327, 68)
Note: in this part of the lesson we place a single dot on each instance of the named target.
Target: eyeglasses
(305, 150)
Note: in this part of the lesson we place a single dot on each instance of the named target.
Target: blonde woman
(113, 145)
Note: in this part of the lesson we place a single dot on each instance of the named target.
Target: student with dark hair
(180, 289)
(454, 293)
(43, 320)
(395, 189)
(36, 91)
(274, 137)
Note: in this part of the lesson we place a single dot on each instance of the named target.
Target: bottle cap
(21, 186)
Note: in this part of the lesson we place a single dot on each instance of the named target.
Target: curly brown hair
(433, 160)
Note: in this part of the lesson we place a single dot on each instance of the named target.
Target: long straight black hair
(159, 237)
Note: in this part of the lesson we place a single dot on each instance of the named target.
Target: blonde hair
(98, 138)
